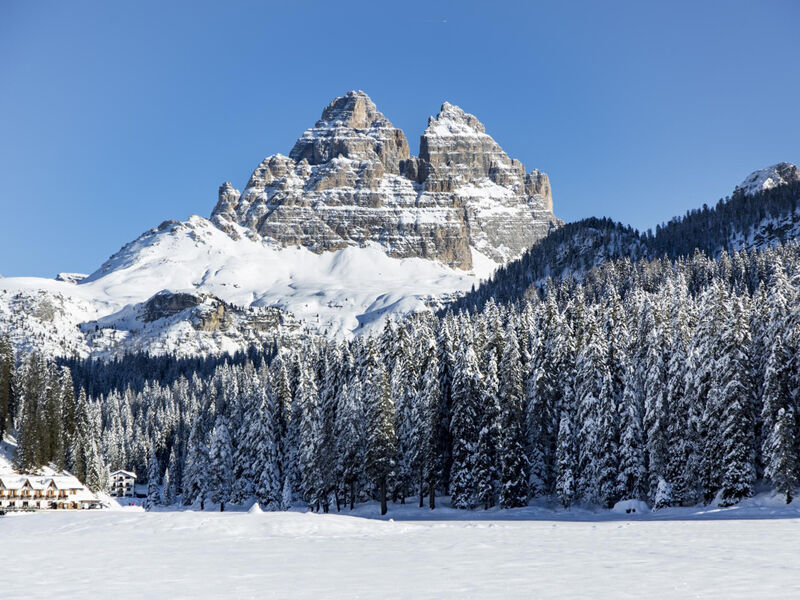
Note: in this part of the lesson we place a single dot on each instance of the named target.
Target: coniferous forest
(675, 381)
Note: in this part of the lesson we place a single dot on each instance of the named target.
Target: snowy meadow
(747, 551)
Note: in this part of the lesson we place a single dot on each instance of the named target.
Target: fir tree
(513, 461)
(486, 459)
(782, 468)
(381, 440)
(153, 476)
(565, 462)
(220, 462)
(464, 426)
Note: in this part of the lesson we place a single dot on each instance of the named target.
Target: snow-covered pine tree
(656, 414)
(783, 468)
(566, 461)
(29, 454)
(350, 441)
(733, 393)
(464, 425)
(310, 438)
(153, 481)
(551, 369)
(606, 469)
(712, 307)
(486, 460)
(220, 462)
(196, 469)
(683, 445)
(446, 359)
(592, 386)
(283, 400)
(269, 483)
(513, 459)
(169, 493)
(381, 436)
(632, 476)
(431, 431)
(7, 385)
(778, 392)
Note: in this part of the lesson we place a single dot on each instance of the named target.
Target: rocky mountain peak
(770, 177)
(350, 181)
(352, 127)
(452, 120)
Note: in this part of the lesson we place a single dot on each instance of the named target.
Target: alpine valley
(362, 325)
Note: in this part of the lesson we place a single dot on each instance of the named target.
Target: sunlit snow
(529, 553)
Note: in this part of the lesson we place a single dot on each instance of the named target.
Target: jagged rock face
(768, 178)
(349, 180)
(352, 127)
(166, 304)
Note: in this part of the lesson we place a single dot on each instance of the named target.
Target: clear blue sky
(115, 116)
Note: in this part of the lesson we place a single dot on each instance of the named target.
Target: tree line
(578, 247)
(672, 381)
(54, 427)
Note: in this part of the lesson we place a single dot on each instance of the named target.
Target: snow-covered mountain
(350, 181)
(346, 230)
(189, 287)
(769, 177)
(762, 212)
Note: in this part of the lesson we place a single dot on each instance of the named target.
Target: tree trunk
(384, 510)
(221, 507)
(432, 497)
(202, 504)
(352, 494)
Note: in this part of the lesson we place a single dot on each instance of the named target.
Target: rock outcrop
(350, 180)
(768, 178)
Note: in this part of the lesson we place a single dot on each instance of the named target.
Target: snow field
(133, 554)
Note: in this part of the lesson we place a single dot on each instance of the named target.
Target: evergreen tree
(169, 495)
(196, 469)
(431, 430)
(153, 476)
(464, 426)
(782, 468)
(513, 461)
(381, 440)
(7, 391)
(632, 476)
(220, 462)
(566, 462)
(592, 387)
(486, 460)
(732, 394)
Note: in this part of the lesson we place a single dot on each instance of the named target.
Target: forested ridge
(576, 248)
(674, 381)
(605, 364)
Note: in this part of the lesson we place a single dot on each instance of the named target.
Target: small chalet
(20, 492)
(121, 484)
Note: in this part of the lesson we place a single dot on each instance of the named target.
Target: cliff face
(350, 180)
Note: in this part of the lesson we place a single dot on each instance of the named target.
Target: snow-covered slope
(346, 230)
(228, 291)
